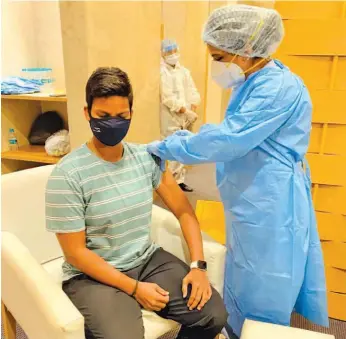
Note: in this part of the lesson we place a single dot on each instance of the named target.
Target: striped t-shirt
(111, 202)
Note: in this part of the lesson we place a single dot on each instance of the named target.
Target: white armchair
(31, 262)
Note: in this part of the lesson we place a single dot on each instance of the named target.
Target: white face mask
(227, 75)
(172, 59)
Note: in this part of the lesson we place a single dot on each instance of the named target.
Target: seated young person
(99, 202)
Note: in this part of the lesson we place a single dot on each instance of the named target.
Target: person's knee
(135, 331)
(105, 328)
(215, 312)
(219, 318)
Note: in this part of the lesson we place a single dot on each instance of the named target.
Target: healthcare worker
(179, 102)
(274, 261)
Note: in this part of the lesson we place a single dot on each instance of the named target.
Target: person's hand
(191, 116)
(194, 108)
(201, 290)
(184, 133)
(153, 148)
(151, 296)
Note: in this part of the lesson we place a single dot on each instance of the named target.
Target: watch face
(202, 265)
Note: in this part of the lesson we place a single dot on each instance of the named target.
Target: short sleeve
(156, 174)
(64, 204)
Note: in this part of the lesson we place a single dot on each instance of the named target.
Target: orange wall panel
(309, 9)
(329, 106)
(340, 80)
(336, 279)
(331, 226)
(334, 254)
(335, 142)
(307, 66)
(337, 305)
(331, 199)
(314, 37)
(322, 165)
(211, 217)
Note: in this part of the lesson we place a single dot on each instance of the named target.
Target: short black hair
(107, 82)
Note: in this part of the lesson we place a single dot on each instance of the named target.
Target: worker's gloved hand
(184, 133)
(191, 116)
(152, 148)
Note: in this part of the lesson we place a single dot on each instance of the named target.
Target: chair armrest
(166, 232)
(260, 330)
(36, 302)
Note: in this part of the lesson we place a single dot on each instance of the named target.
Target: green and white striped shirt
(112, 202)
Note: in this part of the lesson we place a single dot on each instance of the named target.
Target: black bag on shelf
(44, 126)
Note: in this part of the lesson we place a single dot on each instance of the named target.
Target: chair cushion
(154, 325)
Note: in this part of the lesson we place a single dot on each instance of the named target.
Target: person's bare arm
(180, 206)
(177, 202)
(150, 296)
(88, 262)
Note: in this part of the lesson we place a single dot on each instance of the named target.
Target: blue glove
(152, 148)
(184, 133)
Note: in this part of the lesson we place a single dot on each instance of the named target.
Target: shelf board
(30, 153)
(34, 97)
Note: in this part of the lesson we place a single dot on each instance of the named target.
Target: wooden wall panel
(316, 37)
(330, 199)
(306, 68)
(211, 217)
(335, 142)
(329, 106)
(309, 9)
(340, 79)
(336, 279)
(334, 254)
(321, 166)
(337, 305)
(331, 226)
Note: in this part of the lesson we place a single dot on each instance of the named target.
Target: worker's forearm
(97, 268)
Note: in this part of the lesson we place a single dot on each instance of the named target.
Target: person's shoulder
(136, 148)
(137, 151)
(277, 83)
(75, 159)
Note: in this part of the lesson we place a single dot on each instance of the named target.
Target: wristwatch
(200, 265)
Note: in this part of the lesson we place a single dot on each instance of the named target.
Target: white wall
(18, 44)
(31, 37)
(49, 39)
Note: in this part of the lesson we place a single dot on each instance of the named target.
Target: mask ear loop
(252, 37)
(229, 63)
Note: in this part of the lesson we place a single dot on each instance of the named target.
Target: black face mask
(111, 130)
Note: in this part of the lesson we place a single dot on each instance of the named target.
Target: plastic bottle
(12, 140)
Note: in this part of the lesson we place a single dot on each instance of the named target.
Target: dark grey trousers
(111, 314)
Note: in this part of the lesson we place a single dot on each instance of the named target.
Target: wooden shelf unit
(19, 112)
(30, 153)
(34, 97)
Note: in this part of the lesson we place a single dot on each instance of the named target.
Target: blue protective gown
(274, 260)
